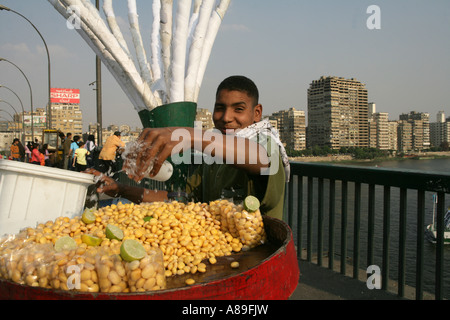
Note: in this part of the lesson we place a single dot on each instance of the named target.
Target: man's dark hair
(242, 84)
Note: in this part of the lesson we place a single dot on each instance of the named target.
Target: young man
(66, 150)
(237, 171)
(109, 151)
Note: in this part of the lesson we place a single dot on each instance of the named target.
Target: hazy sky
(282, 45)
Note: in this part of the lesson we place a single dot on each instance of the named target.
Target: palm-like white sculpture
(180, 47)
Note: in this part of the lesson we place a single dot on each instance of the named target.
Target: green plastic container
(179, 114)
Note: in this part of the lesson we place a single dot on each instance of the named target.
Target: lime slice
(91, 240)
(131, 250)
(251, 204)
(113, 232)
(65, 243)
(88, 216)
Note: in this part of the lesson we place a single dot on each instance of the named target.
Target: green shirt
(222, 181)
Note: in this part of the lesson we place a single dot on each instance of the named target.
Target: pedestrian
(73, 146)
(66, 150)
(36, 156)
(46, 154)
(79, 159)
(21, 151)
(91, 147)
(28, 149)
(15, 151)
(113, 145)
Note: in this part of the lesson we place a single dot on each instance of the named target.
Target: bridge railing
(386, 209)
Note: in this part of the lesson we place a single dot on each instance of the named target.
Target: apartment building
(382, 132)
(440, 130)
(291, 125)
(338, 113)
(67, 118)
(414, 131)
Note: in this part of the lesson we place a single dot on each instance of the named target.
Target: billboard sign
(58, 95)
(38, 121)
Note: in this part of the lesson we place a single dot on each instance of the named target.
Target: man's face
(234, 110)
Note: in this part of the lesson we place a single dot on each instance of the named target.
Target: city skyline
(404, 65)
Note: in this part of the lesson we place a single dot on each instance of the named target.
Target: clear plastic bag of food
(112, 276)
(250, 227)
(147, 274)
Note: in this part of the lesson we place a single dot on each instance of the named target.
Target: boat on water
(431, 228)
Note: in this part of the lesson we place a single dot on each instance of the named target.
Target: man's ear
(257, 112)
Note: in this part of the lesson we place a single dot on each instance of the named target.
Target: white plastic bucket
(31, 194)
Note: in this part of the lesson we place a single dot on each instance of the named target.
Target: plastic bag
(147, 274)
(250, 227)
(112, 276)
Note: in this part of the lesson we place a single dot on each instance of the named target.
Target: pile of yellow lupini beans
(178, 238)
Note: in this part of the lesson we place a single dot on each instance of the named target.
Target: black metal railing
(392, 204)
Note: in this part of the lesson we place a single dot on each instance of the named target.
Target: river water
(435, 165)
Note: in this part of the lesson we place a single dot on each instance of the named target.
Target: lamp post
(49, 111)
(31, 95)
(1, 100)
(98, 73)
(23, 112)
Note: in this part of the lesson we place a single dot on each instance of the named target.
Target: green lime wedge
(113, 232)
(88, 216)
(251, 204)
(131, 250)
(65, 243)
(91, 240)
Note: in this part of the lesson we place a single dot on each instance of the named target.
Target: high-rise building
(291, 125)
(338, 113)
(382, 132)
(440, 130)
(414, 131)
(67, 118)
(66, 113)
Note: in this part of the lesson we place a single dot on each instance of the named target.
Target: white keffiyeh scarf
(264, 128)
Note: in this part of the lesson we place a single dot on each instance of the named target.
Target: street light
(23, 112)
(49, 111)
(31, 95)
(23, 128)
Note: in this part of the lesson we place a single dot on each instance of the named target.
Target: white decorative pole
(179, 54)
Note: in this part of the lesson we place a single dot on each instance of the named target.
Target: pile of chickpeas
(178, 238)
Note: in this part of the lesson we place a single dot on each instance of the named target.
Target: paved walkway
(319, 283)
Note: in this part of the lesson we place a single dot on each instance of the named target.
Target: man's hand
(153, 147)
(113, 189)
(105, 184)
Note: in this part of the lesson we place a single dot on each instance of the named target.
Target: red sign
(65, 96)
